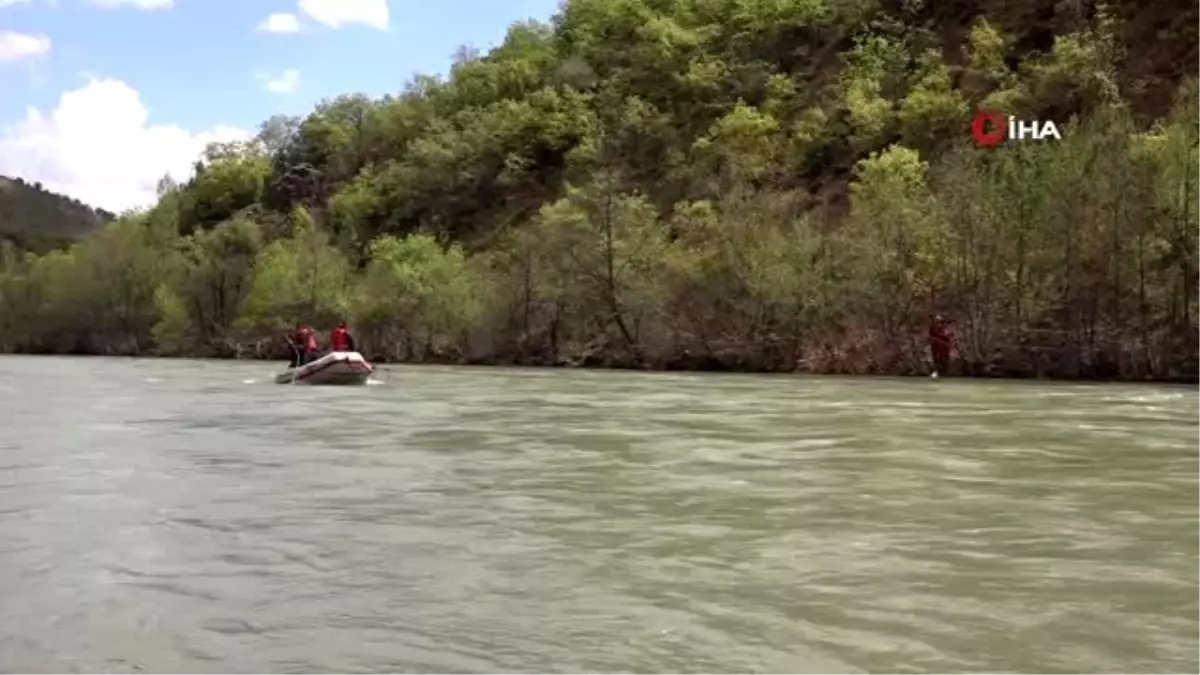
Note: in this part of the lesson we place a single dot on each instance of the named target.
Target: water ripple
(169, 516)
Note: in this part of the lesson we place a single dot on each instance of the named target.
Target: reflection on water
(191, 516)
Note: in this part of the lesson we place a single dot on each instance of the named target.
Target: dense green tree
(209, 275)
(301, 275)
(415, 295)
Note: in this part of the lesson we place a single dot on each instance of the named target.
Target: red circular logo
(985, 137)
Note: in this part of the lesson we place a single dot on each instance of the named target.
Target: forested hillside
(34, 219)
(738, 184)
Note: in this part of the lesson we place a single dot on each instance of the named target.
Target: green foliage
(743, 272)
(872, 70)
(171, 331)
(38, 220)
(986, 71)
(415, 292)
(898, 240)
(743, 145)
(235, 178)
(1079, 73)
(121, 269)
(933, 113)
(210, 274)
(302, 275)
(606, 244)
(870, 113)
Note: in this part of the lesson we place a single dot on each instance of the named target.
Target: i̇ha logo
(990, 128)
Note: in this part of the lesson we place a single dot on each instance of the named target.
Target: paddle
(298, 359)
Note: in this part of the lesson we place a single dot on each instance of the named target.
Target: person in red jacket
(304, 345)
(940, 343)
(340, 340)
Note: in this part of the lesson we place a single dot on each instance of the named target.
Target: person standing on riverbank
(940, 343)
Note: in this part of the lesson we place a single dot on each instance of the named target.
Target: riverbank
(727, 363)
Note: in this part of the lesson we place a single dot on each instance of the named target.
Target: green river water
(192, 516)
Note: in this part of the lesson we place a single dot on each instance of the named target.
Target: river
(191, 516)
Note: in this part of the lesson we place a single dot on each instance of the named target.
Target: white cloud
(19, 46)
(338, 13)
(278, 23)
(136, 4)
(10, 3)
(285, 83)
(97, 145)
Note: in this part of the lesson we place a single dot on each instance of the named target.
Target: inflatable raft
(344, 368)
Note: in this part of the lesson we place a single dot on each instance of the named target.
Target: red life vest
(339, 340)
(308, 339)
(939, 336)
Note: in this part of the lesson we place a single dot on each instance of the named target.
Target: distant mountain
(39, 220)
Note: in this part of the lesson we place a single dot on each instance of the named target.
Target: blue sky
(102, 97)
